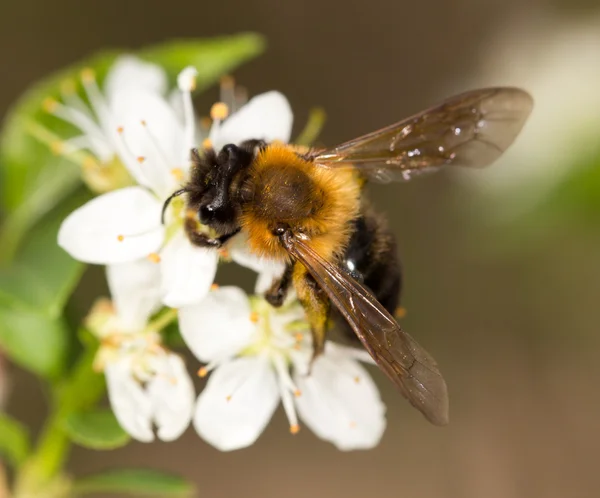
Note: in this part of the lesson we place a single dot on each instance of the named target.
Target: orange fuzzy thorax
(314, 200)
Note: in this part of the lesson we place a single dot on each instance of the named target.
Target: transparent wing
(398, 355)
(472, 129)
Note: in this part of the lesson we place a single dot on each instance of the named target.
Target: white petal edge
(341, 403)
(172, 395)
(187, 271)
(152, 138)
(135, 291)
(267, 116)
(219, 326)
(130, 403)
(117, 227)
(129, 71)
(237, 403)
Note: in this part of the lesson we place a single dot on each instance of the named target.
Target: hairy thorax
(284, 188)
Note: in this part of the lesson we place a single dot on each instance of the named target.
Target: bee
(306, 208)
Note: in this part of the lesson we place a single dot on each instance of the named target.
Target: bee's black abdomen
(372, 259)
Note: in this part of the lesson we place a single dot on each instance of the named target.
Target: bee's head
(212, 191)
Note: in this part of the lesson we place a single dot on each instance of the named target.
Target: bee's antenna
(177, 193)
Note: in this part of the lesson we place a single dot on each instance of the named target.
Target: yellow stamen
(254, 317)
(120, 129)
(228, 398)
(89, 163)
(297, 393)
(88, 75)
(49, 105)
(400, 312)
(120, 238)
(57, 148)
(219, 111)
(214, 287)
(352, 425)
(155, 258)
(227, 81)
(177, 173)
(140, 159)
(205, 122)
(357, 379)
(143, 122)
(206, 143)
(202, 372)
(294, 429)
(298, 336)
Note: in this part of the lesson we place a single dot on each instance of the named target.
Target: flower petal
(187, 271)
(151, 140)
(219, 326)
(129, 71)
(341, 403)
(172, 394)
(130, 403)
(135, 290)
(117, 227)
(267, 269)
(237, 403)
(267, 116)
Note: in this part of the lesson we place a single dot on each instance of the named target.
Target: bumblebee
(305, 207)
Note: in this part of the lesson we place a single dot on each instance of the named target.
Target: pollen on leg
(153, 257)
(219, 111)
(294, 429)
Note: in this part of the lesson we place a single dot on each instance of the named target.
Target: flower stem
(163, 320)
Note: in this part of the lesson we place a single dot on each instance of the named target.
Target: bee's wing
(472, 129)
(406, 363)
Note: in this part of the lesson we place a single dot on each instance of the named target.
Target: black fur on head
(212, 191)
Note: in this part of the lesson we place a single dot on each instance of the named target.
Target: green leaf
(136, 482)
(14, 440)
(32, 179)
(34, 340)
(43, 275)
(97, 430)
(82, 388)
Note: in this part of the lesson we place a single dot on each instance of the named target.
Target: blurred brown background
(514, 327)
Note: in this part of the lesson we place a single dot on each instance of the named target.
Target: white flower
(251, 347)
(135, 121)
(147, 384)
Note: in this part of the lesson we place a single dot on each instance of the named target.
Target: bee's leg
(316, 305)
(201, 239)
(278, 291)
